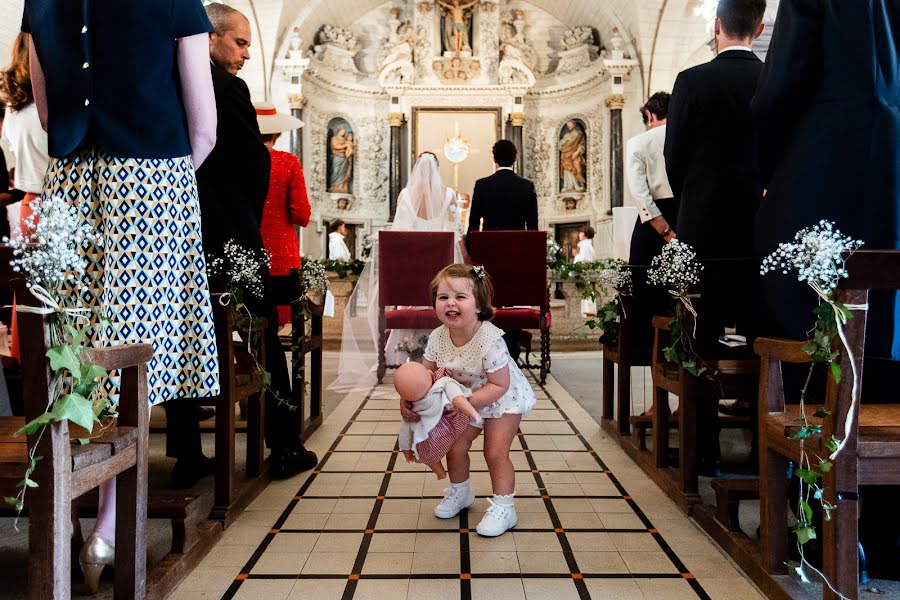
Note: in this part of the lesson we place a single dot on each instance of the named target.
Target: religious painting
(457, 17)
(461, 138)
(573, 156)
(341, 157)
(566, 235)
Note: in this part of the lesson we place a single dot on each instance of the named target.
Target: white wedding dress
(425, 204)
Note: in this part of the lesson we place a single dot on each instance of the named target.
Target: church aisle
(361, 527)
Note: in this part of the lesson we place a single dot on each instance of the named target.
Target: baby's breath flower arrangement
(613, 275)
(817, 254)
(677, 269)
(314, 278)
(50, 255)
(241, 269)
(413, 346)
(554, 252)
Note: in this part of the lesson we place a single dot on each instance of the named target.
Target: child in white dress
(471, 350)
(584, 253)
(337, 247)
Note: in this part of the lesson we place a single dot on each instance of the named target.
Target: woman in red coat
(287, 204)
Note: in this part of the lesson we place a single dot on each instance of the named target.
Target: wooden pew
(306, 339)
(628, 352)
(67, 471)
(871, 455)
(736, 376)
(239, 380)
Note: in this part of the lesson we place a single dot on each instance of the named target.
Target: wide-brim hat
(272, 121)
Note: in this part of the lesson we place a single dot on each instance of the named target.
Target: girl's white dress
(586, 254)
(469, 365)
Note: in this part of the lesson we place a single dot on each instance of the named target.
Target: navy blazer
(112, 74)
(828, 115)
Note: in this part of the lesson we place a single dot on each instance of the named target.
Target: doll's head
(412, 381)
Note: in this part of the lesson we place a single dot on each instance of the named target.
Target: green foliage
(681, 350)
(343, 268)
(607, 318)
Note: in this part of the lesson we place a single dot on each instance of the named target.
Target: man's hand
(663, 228)
(407, 412)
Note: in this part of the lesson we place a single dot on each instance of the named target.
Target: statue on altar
(457, 25)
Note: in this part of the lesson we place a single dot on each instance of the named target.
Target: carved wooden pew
(239, 380)
(871, 455)
(632, 349)
(306, 338)
(67, 471)
(737, 376)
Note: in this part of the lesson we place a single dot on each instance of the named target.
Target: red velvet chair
(517, 264)
(407, 262)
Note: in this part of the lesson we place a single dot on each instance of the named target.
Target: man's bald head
(229, 46)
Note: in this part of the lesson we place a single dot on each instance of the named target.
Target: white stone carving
(398, 64)
(578, 50)
(335, 49)
(375, 136)
(576, 37)
(517, 57)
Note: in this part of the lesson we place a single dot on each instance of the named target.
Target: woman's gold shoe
(94, 556)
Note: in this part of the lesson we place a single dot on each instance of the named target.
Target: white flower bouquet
(241, 268)
(677, 269)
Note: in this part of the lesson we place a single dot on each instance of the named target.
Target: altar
(416, 75)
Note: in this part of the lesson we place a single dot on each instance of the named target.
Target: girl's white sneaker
(455, 500)
(498, 519)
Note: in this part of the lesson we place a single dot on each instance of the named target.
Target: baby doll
(444, 410)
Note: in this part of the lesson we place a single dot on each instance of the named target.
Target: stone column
(616, 102)
(396, 121)
(517, 120)
(297, 102)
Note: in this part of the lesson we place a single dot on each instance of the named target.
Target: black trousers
(282, 425)
(649, 300)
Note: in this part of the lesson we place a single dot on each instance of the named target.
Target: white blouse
(337, 247)
(27, 141)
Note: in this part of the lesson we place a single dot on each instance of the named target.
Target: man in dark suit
(829, 147)
(232, 185)
(711, 161)
(504, 202)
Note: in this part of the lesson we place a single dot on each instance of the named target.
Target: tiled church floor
(591, 525)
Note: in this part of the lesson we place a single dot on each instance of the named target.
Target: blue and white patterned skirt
(149, 276)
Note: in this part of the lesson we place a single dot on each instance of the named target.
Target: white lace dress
(469, 365)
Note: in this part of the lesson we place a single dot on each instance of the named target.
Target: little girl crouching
(471, 350)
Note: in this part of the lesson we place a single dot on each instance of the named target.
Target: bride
(425, 204)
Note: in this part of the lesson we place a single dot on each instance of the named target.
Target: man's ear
(717, 28)
(759, 30)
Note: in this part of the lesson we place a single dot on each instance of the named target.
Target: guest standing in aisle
(233, 186)
(287, 204)
(711, 161)
(99, 70)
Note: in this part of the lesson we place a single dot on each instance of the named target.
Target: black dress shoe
(286, 462)
(188, 472)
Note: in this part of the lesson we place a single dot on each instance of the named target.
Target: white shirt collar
(747, 48)
(505, 169)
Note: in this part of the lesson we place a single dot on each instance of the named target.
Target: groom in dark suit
(711, 161)
(504, 202)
